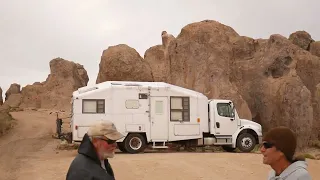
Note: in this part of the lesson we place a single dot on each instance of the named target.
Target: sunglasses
(109, 141)
(267, 145)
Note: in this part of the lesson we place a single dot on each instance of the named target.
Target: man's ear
(95, 141)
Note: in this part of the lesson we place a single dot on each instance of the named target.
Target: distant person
(97, 145)
(278, 150)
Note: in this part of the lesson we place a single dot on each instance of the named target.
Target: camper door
(159, 118)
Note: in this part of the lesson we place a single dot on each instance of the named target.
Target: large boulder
(13, 89)
(123, 63)
(200, 58)
(275, 82)
(315, 48)
(157, 57)
(301, 39)
(55, 93)
(159, 64)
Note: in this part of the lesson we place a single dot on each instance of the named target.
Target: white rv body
(157, 112)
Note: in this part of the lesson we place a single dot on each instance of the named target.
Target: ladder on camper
(162, 144)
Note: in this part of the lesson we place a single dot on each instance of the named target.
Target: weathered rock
(200, 58)
(308, 67)
(272, 80)
(157, 57)
(268, 75)
(301, 39)
(56, 92)
(315, 48)
(83, 74)
(1, 99)
(122, 62)
(316, 111)
(159, 64)
(14, 100)
(13, 89)
(166, 39)
(5, 119)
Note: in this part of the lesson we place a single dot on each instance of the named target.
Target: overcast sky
(33, 32)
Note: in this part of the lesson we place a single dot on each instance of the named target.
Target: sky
(34, 32)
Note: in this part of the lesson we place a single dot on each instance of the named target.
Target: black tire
(246, 142)
(129, 143)
(228, 148)
(121, 147)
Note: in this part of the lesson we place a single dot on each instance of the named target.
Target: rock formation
(157, 57)
(1, 99)
(166, 38)
(273, 81)
(301, 39)
(315, 48)
(13, 89)
(122, 62)
(56, 92)
(5, 120)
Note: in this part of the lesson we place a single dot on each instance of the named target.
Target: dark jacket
(87, 166)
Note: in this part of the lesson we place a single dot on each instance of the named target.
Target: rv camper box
(157, 113)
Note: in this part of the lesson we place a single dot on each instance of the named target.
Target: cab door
(225, 122)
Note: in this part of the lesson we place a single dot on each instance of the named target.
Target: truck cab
(229, 130)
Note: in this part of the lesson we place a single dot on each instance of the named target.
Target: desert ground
(28, 152)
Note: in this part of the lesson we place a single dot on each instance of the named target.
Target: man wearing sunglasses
(278, 150)
(97, 145)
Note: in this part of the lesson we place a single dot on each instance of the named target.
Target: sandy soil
(29, 152)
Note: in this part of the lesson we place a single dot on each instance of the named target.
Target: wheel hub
(135, 143)
(246, 142)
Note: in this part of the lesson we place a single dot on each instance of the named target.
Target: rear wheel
(134, 143)
(246, 142)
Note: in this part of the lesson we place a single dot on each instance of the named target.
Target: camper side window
(224, 109)
(93, 106)
(180, 108)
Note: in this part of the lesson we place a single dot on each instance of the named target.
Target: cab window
(224, 109)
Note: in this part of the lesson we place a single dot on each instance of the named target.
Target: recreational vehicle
(158, 113)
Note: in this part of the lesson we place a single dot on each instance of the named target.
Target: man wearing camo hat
(97, 145)
(278, 150)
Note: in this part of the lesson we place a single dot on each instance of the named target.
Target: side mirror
(232, 109)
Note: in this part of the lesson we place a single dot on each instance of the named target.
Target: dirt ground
(28, 152)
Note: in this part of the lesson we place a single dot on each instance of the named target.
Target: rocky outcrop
(270, 79)
(5, 119)
(84, 78)
(315, 48)
(122, 62)
(13, 89)
(273, 81)
(166, 39)
(1, 99)
(200, 59)
(157, 57)
(301, 39)
(56, 92)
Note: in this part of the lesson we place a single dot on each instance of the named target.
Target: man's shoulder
(302, 174)
(79, 162)
(78, 168)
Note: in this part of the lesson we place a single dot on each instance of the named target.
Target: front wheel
(134, 143)
(246, 142)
